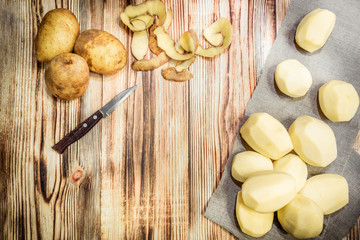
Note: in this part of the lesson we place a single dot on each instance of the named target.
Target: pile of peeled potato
(67, 75)
(274, 179)
(150, 21)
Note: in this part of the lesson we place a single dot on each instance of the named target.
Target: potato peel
(147, 19)
(189, 41)
(138, 24)
(223, 26)
(153, 45)
(153, 7)
(151, 64)
(139, 44)
(185, 64)
(166, 43)
(172, 75)
(168, 19)
(150, 21)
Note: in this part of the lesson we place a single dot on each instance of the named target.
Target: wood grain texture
(147, 170)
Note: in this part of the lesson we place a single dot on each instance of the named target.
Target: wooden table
(152, 165)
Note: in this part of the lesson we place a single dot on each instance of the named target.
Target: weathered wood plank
(152, 165)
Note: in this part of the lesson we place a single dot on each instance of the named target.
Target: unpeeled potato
(67, 76)
(57, 34)
(103, 52)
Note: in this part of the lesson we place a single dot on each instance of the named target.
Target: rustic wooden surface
(150, 167)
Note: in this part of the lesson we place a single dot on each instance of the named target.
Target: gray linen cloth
(339, 59)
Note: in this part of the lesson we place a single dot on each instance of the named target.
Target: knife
(90, 122)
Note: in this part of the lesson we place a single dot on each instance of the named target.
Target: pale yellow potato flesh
(168, 19)
(139, 24)
(246, 163)
(329, 191)
(146, 19)
(314, 29)
(302, 218)
(338, 100)
(185, 64)
(140, 44)
(293, 78)
(313, 140)
(252, 223)
(266, 135)
(295, 166)
(268, 191)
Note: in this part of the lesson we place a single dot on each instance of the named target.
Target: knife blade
(91, 121)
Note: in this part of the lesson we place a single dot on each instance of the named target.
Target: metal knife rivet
(94, 117)
(84, 125)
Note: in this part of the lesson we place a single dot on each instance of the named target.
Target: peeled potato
(302, 218)
(57, 34)
(293, 78)
(268, 191)
(252, 223)
(266, 135)
(338, 100)
(247, 163)
(294, 166)
(314, 141)
(103, 52)
(329, 191)
(314, 29)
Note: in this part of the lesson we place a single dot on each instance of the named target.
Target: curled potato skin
(153, 45)
(154, 7)
(166, 43)
(151, 64)
(181, 53)
(103, 52)
(223, 26)
(172, 75)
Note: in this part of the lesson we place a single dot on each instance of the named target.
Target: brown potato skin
(172, 75)
(57, 34)
(153, 41)
(103, 52)
(151, 64)
(67, 76)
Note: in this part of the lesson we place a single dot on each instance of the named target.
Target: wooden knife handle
(78, 132)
